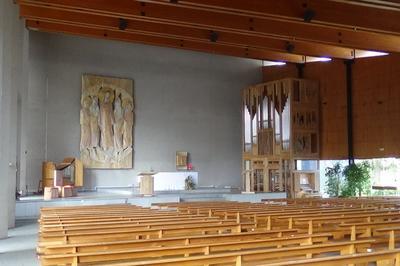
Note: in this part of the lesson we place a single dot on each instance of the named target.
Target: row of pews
(280, 232)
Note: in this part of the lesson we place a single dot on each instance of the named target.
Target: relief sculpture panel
(107, 120)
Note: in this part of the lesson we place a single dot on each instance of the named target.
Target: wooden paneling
(270, 30)
(376, 100)
(136, 25)
(368, 16)
(331, 76)
(376, 105)
(161, 40)
(279, 72)
(215, 19)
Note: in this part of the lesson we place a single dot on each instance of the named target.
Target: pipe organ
(280, 126)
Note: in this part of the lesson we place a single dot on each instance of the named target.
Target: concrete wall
(12, 35)
(3, 165)
(32, 148)
(184, 101)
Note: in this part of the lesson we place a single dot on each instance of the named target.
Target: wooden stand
(147, 184)
(67, 191)
(48, 169)
(50, 193)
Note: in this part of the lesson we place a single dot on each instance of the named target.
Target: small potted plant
(189, 183)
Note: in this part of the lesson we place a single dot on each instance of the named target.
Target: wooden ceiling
(286, 30)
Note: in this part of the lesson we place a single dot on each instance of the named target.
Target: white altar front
(164, 181)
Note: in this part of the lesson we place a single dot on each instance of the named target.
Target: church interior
(199, 132)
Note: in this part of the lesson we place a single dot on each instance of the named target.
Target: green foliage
(357, 180)
(350, 181)
(333, 183)
(189, 183)
(382, 193)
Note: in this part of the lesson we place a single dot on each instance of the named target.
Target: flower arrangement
(189, 183)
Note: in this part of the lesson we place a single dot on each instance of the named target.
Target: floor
(116, 193)
(19, 249)
(29, 207)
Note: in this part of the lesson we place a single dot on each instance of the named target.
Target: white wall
(184, 101)
(32, 148)
(3, 165)
(23, 79)
(12, 36)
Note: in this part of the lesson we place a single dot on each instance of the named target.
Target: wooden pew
(125, 234)
(392, 235)
(138, 220)
(105, 218)
(132, 225)
(259, 255)
(369, 228)
(378, 257)
(141, 252)
(222, 232)
(171, 241)
(331, 222)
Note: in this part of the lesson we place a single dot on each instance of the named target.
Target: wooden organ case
(280, 126)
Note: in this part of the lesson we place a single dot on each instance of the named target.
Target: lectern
(147, 183)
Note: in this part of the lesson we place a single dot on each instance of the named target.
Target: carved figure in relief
(85, 123)
(94, 122)
(301, 119)
(106, 135)
(299, 144)
(314, 118)
(106, 118)
(119, 122)
(128, 123)
(308, 119)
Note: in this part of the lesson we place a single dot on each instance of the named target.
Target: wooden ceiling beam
(338, 13)
(199, 34)
(239, 23)
(379, 4)
(207, 47)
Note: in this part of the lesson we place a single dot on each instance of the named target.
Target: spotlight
(123, 24)
(309, 15)
(290, 47)
(213, 36)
